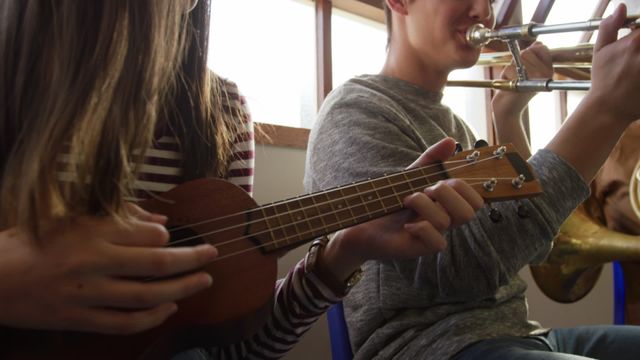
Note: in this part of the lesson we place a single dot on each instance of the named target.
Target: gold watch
(314, 265)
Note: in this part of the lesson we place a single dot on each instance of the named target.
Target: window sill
(284, 136)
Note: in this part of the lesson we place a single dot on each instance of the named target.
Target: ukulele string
(277, 241)
(244, 212)
(307, 219)
(315, 205)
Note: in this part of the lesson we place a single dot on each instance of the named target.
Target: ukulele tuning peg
(518, 181)
(458, 148)
(500, 152)
(522, 210)
(480, 144)
(495, 215)
(490, 185)
(473, 157)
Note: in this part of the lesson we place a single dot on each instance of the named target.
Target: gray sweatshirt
(433, 306)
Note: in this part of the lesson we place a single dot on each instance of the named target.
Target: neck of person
(405, 65)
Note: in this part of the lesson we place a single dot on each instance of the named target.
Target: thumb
(441, 151)
(608, 31)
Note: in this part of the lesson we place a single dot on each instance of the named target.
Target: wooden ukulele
(249, 239)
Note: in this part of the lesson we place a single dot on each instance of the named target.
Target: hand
(508, 105)
(592, 130)
(538, 64)
(416, 231)
(616, 69)
(89, 275)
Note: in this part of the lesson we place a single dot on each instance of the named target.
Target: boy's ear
(399, 6)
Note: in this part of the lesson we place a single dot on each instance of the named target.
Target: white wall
(279, 174)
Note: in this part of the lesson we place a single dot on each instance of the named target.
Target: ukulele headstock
(496, 172)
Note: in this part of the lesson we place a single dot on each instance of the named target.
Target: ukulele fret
(319, 215)
(339, 212)
(365, 201)
(274, 239)
(294, 221)
(345, 203)
(398, 204)
(314, 220)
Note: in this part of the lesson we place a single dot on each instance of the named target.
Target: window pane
(358, 46)
(563, 11)
(268, 49)
(544, 118)
(468, 103)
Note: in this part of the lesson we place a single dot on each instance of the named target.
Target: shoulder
(363, 90)
(230, 87)
(358, 98)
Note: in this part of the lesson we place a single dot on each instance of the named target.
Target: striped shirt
(161, 169)
(299, 299)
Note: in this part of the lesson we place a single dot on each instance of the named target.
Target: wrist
(327, 261)
(338, 257)
(509, 105)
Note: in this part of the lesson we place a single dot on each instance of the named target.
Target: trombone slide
(478, 35)
(538, 85)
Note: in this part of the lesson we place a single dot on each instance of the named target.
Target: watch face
(355, 278)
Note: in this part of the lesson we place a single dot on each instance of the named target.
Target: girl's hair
(90, 79)
(201, 116)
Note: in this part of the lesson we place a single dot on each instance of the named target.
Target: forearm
(507, 118)
(586, 138)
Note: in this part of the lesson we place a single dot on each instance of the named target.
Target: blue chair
(339, 334)
(619, 301)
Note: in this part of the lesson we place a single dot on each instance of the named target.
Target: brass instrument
(478, 35)
(634, 189)
(579, 250)
(578, 56)
(583, 244)
(536, 85)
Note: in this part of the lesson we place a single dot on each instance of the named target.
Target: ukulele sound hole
(184, 237)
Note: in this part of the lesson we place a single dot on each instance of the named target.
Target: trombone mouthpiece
(477, 36)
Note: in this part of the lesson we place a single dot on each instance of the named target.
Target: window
(358, 46)
(268, 49)
(545, 116)
(563, 11)
(469, 103)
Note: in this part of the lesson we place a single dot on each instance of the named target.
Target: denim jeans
(617, 342)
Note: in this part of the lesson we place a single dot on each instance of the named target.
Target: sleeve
(299, 301)
(354, 139)
(241, 167)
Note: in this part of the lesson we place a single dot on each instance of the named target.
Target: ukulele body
(233, 308)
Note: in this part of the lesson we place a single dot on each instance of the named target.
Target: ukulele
(250, 238)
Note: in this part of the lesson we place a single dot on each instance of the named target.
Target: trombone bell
(579, 250)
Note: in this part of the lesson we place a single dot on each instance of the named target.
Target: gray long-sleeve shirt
(433, 306)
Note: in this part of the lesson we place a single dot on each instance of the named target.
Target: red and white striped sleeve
(299, 301)
(243, 157)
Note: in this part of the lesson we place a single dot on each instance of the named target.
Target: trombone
(478, 35)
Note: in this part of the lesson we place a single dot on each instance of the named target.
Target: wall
(279, 173)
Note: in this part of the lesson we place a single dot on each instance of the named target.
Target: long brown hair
(201, 116)
(84, 78)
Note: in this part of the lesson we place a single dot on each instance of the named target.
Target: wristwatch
(315, 266)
